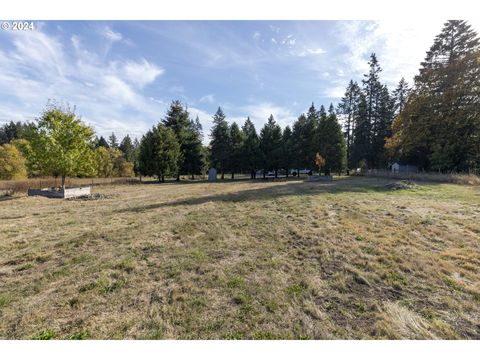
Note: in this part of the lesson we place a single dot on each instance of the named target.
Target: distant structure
(212, 174)
(403, 168)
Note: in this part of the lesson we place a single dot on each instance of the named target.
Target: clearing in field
(241, 259)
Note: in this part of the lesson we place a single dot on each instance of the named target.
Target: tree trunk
(193, 177)
(63, 181)
(163, 178)
(223, 175)
(178, 177)
(233, 176)
(287, 173)
(264, 174)
(276, 173)
(298, 173)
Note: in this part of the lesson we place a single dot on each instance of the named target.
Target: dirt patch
(400, 185)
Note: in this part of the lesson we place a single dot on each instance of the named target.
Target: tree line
(435, 124)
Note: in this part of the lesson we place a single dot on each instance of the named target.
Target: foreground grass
(241, 260)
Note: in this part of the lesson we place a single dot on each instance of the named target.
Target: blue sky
(121, 75)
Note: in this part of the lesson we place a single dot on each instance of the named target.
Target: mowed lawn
(243, 260)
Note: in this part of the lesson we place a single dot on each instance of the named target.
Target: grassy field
(243, 260)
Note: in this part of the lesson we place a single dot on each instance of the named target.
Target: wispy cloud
(210, 99)
(111, 35)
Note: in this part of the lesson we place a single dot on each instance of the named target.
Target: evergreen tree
(288, 150)
(159, 153)
(400, 95)
(113, 142)
(361, 134)
(250, 148)
(15, 131)
(330, 143)
(348, 108)
(177, 119)
(101, 143)
(127, 148)
(193, 155)
(236, 146)
(271, 146)
(220, 142)
(439, 126)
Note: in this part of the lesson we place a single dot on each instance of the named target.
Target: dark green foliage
(113, 141)
(250, 148)
(271, 145)
(400, 96)
(189, 135)
(330, 142)
(14, 131)
(348, 109)
(288, 150)
(127, 148)
(220, 143)
(101, 142)
(159, 153)
(439, 127)
(236, 146)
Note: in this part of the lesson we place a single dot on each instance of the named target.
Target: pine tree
(102, 142)
(439, 127)
(193, 155)
(288, 150)
(177, 119)
(304, 138)
(126, 147)
(400, 95)
(220, 142)
(271, 146)
(113, 142)
(330, 142)
(236, 145)
(250, 149)
(348, 108)
(361, 134)
(159, 153)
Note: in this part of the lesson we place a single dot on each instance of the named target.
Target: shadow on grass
(283, 189)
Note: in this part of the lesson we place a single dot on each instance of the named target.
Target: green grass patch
(46, 334)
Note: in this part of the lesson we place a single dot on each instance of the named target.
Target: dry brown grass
(255, 260)
(454, 178)
(21, 186)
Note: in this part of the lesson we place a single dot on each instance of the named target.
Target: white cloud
(207, 99)
(256, 35)
(259, 114)
(400, 45)
(107, 95)
(140, 73)
(308, 51)
(112, 35)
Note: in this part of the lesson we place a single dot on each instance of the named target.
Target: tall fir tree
(159, 153)
(439, 127)
(113, 141)
(271, 146)
(236, 146)
(360, 152)
(330, 143)
(220, 143)
(126, 146)
(250, 148)
(348, 108)
(400, 95)
(288, 150)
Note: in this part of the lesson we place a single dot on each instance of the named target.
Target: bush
(12, 163)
